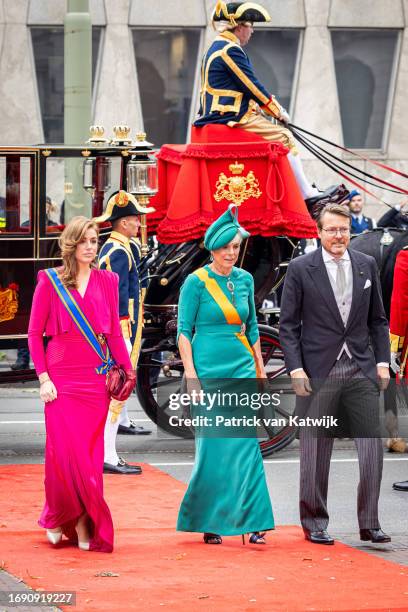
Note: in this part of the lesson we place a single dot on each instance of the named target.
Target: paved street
(22, 437)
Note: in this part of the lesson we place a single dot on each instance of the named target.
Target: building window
(364, 61)
(166, 62)
(273, 54)
(15, 194)
(48, 47)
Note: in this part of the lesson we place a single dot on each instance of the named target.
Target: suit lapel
(360, 277)
(319, 276)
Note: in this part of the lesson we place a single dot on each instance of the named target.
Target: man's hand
(383, 374)
(301, 383)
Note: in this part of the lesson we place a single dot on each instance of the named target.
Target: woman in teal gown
(218, 339)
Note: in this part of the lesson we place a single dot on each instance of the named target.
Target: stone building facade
(340, 66)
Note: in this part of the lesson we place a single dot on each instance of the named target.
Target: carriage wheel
(160, 373)
(274, 439)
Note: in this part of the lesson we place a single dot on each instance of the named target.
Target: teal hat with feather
(224, 229)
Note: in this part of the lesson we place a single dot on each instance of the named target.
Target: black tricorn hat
(122, 204)
(238, 12)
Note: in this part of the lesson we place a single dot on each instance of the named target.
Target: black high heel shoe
(257, 537)
(212, 538)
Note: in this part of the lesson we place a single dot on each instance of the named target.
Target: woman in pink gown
(75, 396)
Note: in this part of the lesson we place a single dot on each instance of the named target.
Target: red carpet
(160, 569)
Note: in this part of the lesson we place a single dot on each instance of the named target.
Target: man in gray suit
(335, 339)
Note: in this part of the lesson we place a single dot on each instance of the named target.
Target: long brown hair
(68, 241)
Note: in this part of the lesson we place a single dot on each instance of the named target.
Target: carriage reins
(341, 166)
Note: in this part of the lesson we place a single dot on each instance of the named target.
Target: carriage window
(15, 195)
(166, 62)
(48, 47)
(364, 62)
(273, 54)
(79, 186)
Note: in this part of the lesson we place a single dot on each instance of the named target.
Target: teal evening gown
(227, 493)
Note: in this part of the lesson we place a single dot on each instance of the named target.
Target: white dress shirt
(331, 267)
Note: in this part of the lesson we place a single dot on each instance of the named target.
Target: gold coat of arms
(8, 302)
(237, 188)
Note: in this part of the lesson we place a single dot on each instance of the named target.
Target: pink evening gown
(75, 420)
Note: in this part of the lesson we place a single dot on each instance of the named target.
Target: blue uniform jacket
(118, 255)
(137, 254)
(358, 227)
(228, 84)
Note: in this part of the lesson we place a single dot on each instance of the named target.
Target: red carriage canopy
(224, 165)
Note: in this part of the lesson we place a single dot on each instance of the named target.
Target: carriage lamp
(141, 171)
(141, 179)
(97, 174)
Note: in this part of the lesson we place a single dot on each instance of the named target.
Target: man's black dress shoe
(377, 536)
(121, 468)
(20, 364)
(23, 360)
(401, 486)
(133, 429)
(318, 537)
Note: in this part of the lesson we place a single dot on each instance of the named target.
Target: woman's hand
(260, 370)
(193, 386)
(48, 392)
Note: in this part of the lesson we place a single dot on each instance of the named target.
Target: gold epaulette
(115, 246)
(397, 342)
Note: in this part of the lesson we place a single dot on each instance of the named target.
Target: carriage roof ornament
(97, 135)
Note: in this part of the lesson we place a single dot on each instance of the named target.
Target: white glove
(395, 362)
(284, 116)
(128, 345)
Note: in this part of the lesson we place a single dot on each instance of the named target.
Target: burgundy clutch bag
(120, 383)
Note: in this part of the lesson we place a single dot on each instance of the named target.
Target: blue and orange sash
(229, 311)
(80, 321)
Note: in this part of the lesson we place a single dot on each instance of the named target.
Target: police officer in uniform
(359, 222)
(121, 254)
(231, 94)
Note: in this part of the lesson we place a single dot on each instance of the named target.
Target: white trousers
(111, 430)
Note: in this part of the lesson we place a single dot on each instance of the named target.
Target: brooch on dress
(231, 289)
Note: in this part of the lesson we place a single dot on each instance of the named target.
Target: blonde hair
(334, 209)
(72, 235)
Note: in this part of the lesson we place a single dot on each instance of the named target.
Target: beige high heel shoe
(82, 544)
(54, 537)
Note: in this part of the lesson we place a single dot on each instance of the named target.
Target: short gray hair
(334, 209)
